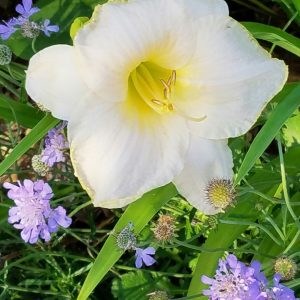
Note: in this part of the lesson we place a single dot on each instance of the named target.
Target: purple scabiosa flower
(7, 29)
(279, 291)
(143, 256)
(47, 28)
(55, 143)
(25, 9)
(233, 281)
(32, 213)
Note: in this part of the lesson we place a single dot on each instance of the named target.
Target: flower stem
(78, 208)
(284, 184)
(263, 228)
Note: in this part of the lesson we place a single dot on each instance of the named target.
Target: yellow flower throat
(155, 92)
(154, 86)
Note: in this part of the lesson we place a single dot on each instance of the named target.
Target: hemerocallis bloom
(151, 90)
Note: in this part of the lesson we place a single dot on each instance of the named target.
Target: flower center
(154, 85)
(220, 193)
(152, 88)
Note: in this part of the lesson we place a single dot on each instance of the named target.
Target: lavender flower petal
(143, 256)
(25, 9)
(7, 30)
(32, 213)
(55, 144)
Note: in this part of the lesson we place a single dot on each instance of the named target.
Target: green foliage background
(83, 262)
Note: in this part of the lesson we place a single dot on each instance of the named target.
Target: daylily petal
(205, 160)
(53, 80)
(229, 80)
(123, 159)
(121, 36)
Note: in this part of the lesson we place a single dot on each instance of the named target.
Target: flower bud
(5, 55)
(220, 193)
(159, 295)
(38, 166)
(164, 229)
(126, 239)
(285, 267)
(212, 222)
(30, 29)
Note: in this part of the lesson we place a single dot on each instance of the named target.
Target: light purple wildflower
(7, 29)
(25, 9)
(233, 280)
(32, 213)
(47, 28)
(55, 144)
(143, 256)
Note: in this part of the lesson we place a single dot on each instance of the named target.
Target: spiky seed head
(212, 222)
(126, 239)
(30, 29)
(220, 193)
(5, 55)
(164, 229)
(38, 166)
(159, 295)
(42, 107)
(286, 267)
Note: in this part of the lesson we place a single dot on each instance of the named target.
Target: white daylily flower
(151, 90)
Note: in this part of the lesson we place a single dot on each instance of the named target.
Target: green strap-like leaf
(289, 101)
(34, 136)
(275, 36)
(140, 213)
(23, 114)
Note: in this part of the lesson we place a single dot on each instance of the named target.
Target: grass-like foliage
(99, 255)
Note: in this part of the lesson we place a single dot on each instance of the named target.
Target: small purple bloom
(47, 28)
(7, 29)
(32, 213)
(25, 9)
(144, 256)
(55, 144)
(233, 280)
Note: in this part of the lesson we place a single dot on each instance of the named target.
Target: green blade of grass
(34, 136)
(289, 101)
(140, 213)
(23, 114)
(274, 35)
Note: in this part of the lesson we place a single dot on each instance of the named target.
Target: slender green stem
(9, 77)
(263, 228)
(36, 291)
(284, 184)
(33, 45)
(78, 208)
(266, 197)
(275, 226)
(287, 25)
(213, 250)
(291, 244)
(263, 7)
(170, 274)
